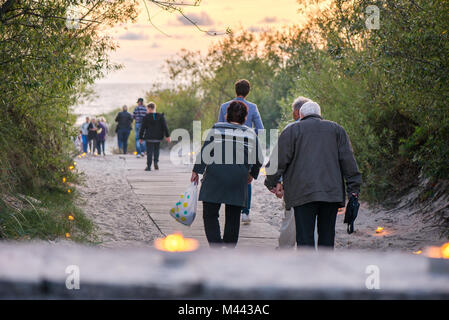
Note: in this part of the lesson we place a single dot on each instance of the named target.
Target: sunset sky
(143, 49)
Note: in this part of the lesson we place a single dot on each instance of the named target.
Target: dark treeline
(388, 87)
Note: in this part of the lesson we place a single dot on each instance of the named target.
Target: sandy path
(122, 220)
(107, 198)
(404, 229)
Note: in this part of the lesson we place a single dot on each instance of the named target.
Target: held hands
(278, 191)
(250, 179)
(140, 141)
(195, 178)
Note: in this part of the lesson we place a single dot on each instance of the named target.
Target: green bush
(53, 216)
(45, 68)
(389, 88)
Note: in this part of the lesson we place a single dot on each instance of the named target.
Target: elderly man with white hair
(314, 159)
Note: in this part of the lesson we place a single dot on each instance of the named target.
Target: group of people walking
(150, 129)
(312, 168)
(93, 135)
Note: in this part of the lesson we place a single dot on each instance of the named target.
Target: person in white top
(85, 133)
(287, 236)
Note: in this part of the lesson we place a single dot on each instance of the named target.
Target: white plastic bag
(184, 210)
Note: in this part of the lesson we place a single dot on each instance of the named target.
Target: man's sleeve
(134, 113)
(221, 115)
(284, 150)
(116, 118)
(257, 120)
(142, 129)
(165, 127)
(348, 164)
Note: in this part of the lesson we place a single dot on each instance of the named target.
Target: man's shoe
(245, 218)
(147, 169)
(138, 156)
(156, 166)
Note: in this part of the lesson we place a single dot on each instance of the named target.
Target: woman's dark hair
(242, 88)
(237, 112)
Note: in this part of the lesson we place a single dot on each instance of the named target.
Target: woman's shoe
(147, 169)
(156, 166)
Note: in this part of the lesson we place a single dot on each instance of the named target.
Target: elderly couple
(313, 159)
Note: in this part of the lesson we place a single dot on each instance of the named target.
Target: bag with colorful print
(184, 210)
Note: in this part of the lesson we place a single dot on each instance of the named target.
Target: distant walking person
(101, 136)
(85, 134)
(92, 136)
(242, 88)
(124, 121)
(79, 142)
(139, 113)
(225, 179)
(314, 158)
(105, 124)
(153, 130)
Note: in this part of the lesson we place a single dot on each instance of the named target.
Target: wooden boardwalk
(159, 190)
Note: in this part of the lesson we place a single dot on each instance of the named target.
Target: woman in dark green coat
(229, 159)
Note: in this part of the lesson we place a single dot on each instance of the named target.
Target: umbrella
(352, 210)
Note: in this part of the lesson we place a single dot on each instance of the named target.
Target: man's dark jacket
(154, 127)
(124, 120)
(314, 156)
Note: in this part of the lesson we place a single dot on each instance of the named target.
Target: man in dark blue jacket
(124, 121)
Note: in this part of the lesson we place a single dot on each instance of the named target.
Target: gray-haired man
(315, 156)
(287, 232)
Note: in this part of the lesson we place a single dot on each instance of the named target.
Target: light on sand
(176, 243)
(417, 252)
(67, 235)
(379, 230)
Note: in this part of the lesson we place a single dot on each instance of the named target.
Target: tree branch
(6, 7)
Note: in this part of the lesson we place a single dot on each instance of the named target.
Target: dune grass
(46, 215)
